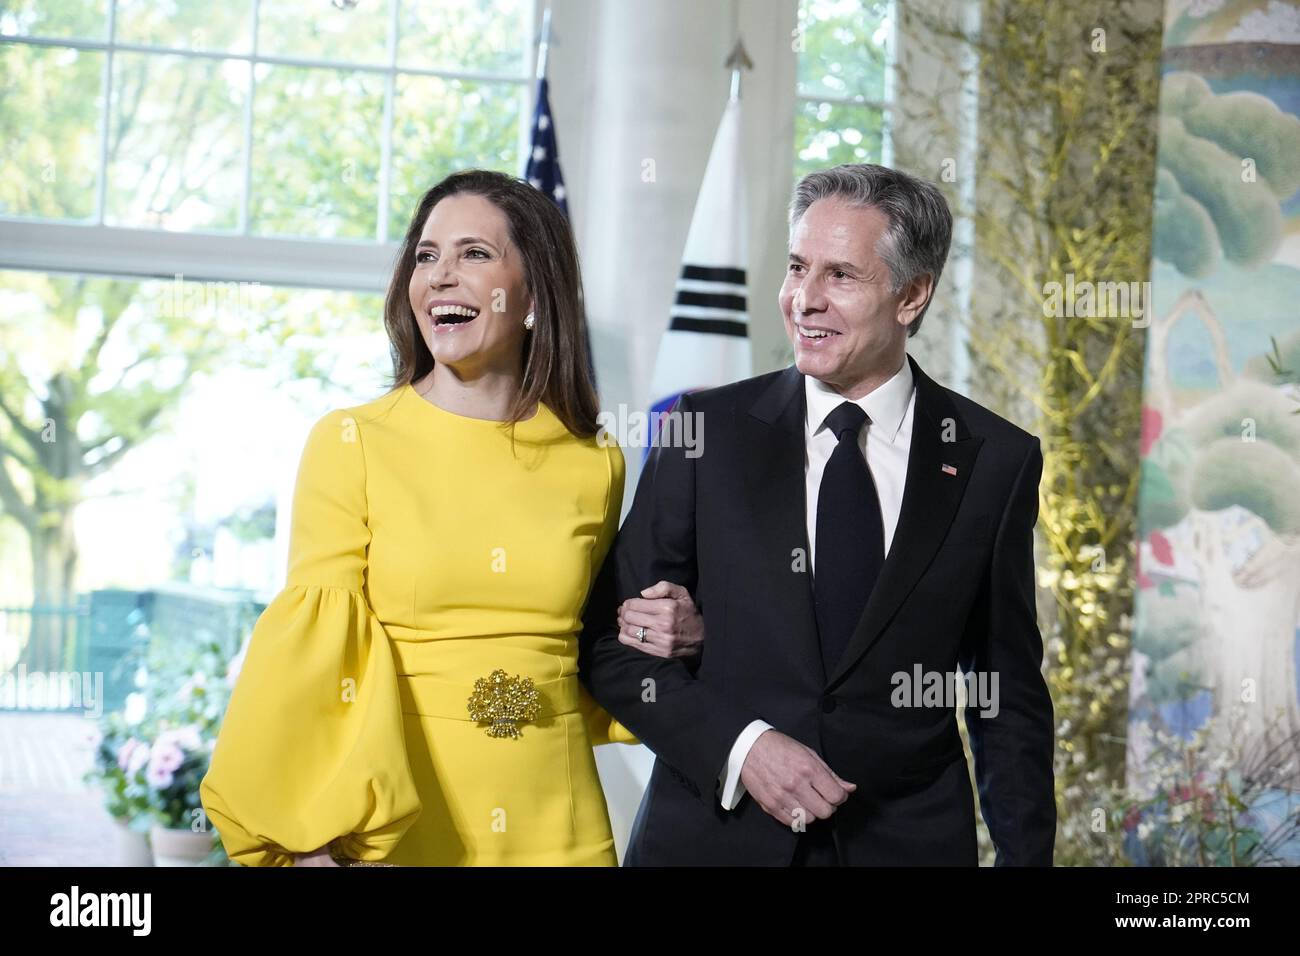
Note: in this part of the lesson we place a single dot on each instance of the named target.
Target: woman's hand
(319, 857)
(673, 628)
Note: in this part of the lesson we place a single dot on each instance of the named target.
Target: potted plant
(152, 758)
(187, 691)
(119, 760)
(177, 760)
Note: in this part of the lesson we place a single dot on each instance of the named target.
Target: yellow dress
(425, 552)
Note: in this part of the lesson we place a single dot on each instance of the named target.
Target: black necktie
(850, 536)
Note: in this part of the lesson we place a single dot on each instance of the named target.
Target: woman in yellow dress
(444, 540)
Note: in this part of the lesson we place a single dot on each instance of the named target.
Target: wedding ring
(640, 633)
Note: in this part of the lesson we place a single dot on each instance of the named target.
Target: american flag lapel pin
(949, 470)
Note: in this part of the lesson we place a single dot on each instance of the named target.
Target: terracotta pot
(132, 845)
(179, 847)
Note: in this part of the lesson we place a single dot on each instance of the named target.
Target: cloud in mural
(1185, 236)
(1226, 162)
(1278, 23)
(1208, 464)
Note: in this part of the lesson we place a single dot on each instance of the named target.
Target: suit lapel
(773, 437)
(931, 495)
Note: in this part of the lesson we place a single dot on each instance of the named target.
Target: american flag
(543, 168)
(543, 172)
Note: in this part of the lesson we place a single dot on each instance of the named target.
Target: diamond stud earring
(528, 322)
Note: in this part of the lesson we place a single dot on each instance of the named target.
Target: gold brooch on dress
(504, 701)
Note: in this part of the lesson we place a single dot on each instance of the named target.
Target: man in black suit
(852, 533)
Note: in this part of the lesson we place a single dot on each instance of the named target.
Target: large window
(842, 97)
(199, 204)
(179, 407)
(249, 119)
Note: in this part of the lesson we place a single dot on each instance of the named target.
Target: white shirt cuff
(730, 789)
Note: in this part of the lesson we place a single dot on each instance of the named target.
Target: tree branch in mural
(1221, 472)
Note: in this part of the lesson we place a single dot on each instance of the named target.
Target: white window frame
(93, 248)
(886, 106)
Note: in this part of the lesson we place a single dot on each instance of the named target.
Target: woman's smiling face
(467, 290)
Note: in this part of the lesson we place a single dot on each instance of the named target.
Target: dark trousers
(816, 846)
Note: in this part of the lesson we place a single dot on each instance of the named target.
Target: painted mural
(1217, 629)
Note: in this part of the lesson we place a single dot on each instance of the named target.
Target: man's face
(845, 325)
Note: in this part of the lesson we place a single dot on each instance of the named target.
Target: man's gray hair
(920, 223)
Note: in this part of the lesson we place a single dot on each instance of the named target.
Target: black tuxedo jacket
(957, 588)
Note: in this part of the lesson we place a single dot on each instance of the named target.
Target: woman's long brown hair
(555, 361)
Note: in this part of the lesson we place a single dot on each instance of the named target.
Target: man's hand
(673, 628)
(790, 781)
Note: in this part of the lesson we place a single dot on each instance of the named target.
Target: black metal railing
(41, 648)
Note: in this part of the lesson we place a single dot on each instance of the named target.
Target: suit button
(828, 704)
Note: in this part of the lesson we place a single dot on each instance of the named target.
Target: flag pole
(544, 46)
(738, 60)
(707, 341)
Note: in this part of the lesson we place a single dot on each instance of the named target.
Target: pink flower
(158, 777)
(186, 737)
(165, 755)
(133, 755)
(139, 758)
(124, 753)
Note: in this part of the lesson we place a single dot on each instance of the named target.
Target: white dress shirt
(885, 443)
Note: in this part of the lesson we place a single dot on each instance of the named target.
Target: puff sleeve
(601, 726)
(311, 750)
